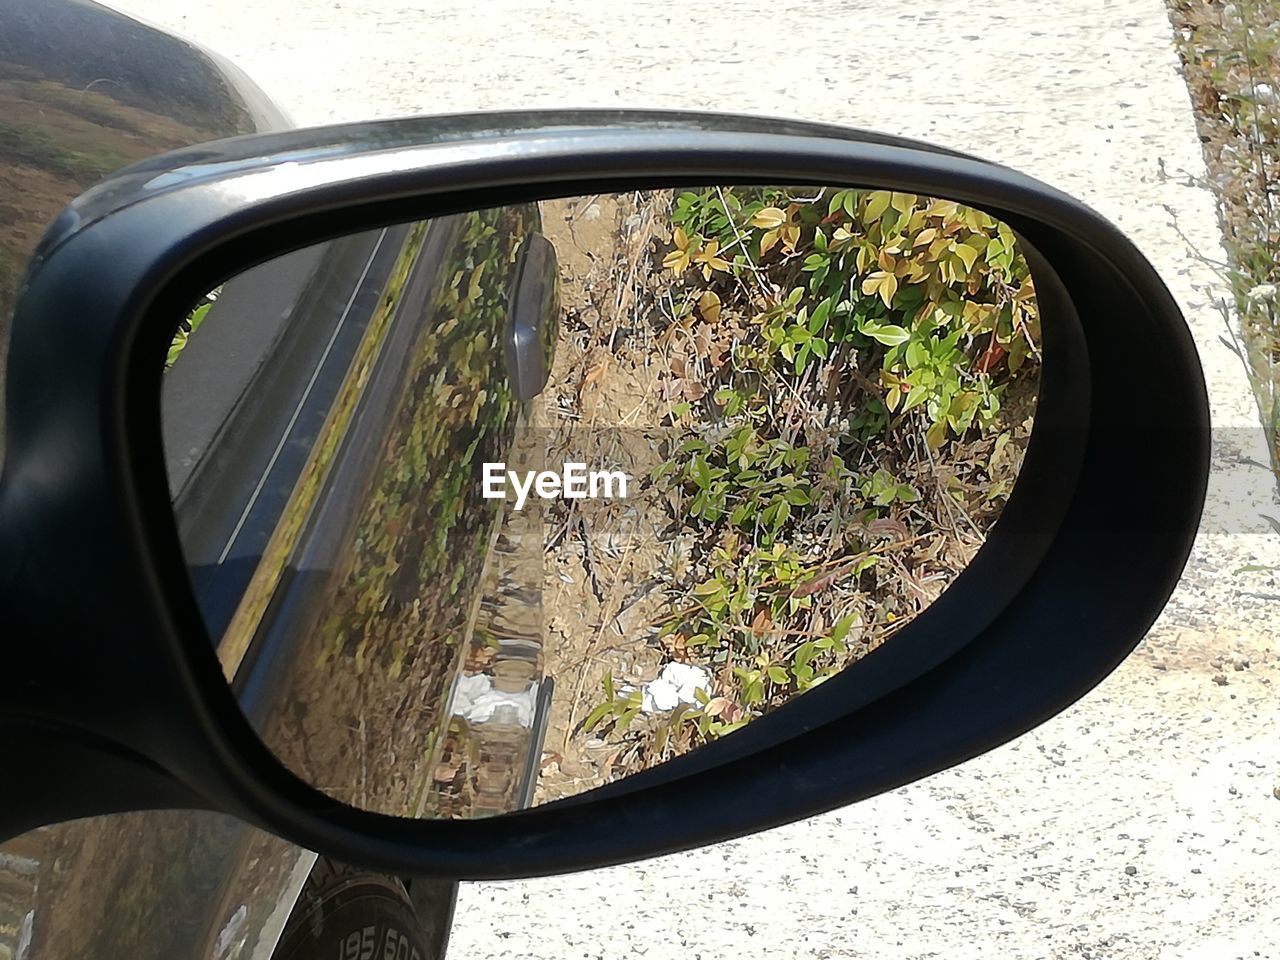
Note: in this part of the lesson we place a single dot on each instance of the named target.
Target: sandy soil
(1141, 823)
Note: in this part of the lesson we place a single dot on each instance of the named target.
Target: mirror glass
(492, 509)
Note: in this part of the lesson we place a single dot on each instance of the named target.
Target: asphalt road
(1142, 823)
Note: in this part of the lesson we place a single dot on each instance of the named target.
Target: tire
(346, 914)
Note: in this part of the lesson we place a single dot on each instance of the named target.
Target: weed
(1231, 59)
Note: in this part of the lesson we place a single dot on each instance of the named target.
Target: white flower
(1262, 293)
(678, 683)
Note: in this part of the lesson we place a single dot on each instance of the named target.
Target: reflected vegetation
(820, 398)
(363, 654)
(827, 393)
(59, 134)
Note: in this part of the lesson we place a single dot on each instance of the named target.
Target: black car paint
(83, 90)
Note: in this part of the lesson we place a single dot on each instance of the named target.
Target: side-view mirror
(499, 495)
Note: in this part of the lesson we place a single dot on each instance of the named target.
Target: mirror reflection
(493, 509)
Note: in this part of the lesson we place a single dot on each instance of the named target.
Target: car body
(87, 90)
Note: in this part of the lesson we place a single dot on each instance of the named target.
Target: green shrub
(861, 346)
(932, 295)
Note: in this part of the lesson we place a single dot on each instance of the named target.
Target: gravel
(1141, 823)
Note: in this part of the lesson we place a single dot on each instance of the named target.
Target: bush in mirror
(821, 397)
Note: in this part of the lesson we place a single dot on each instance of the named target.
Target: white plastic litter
(675, 685)
(476, 701)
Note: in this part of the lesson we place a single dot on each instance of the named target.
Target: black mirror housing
(119, 702)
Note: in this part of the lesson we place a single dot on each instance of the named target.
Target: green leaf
(595, 716)
(802, 359)
(888, 333)
(902, 202)
(820, 314)
(796, 456)
(916, 354)
(967, 254)
(797, 496)
(918, 395)
(936, 435)
(198, 315)
(877, 204)
(700, 472)
(841, 629)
